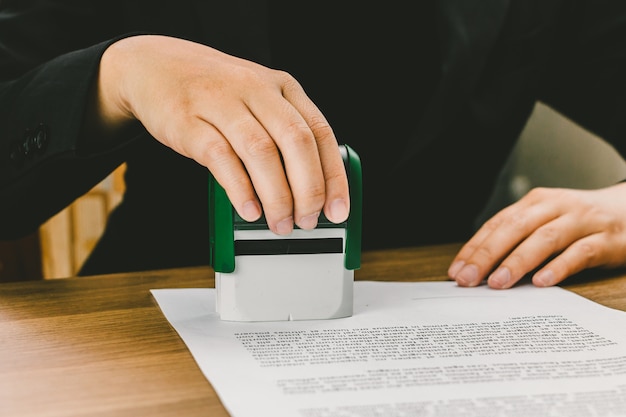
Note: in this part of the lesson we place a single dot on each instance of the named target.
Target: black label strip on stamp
(288, 246)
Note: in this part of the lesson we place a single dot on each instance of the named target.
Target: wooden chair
(63, 243)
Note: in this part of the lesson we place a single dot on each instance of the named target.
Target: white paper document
(415, 349)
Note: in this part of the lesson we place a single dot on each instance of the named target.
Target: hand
(570, 229)
(236, 118)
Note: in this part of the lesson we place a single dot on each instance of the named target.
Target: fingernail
(467, 276)
(309, 222)
(285, 226)
(500, 278)
(251, 211)
(338, 210)
(455, 268)
(544, 278)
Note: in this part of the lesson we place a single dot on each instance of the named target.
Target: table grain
(100, 346)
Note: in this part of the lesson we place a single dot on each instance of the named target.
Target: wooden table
(100, 346)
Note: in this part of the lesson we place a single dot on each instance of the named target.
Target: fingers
(495, 240)
(337, 198)
(580, 255)
(214, 151)
(547, 240)
(297, 192)
(290, 161)
(556, 232)
(246, 161)
(605, 248)
(255, 128)
(292, 158)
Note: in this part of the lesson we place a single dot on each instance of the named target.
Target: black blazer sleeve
(49, 58)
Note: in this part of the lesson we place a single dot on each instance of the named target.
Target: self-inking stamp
(306, 275)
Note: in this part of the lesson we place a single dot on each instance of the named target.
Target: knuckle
(282, 199)
(492, 224)
(314, 195)
(214, 157)
(614, 225)
(298, 134)
(542, 196)
(516, 261)
(217, 151)
(549, 236)
(248, 75)
(320, 128)
(541, 193)
(332, 177)
(279, 204)
(484, 253)
(287, 80)
(468, 249)
(259, 146)
(607, 222)
(518, 221)
(587, 253)
(245, 123)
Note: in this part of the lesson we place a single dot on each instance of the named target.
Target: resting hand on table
(233, 116)
(570, 229)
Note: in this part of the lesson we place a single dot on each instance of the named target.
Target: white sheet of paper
(415, 349)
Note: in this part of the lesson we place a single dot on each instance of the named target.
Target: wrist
(107, 113)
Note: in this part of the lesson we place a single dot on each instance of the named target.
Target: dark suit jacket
(432, 99)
